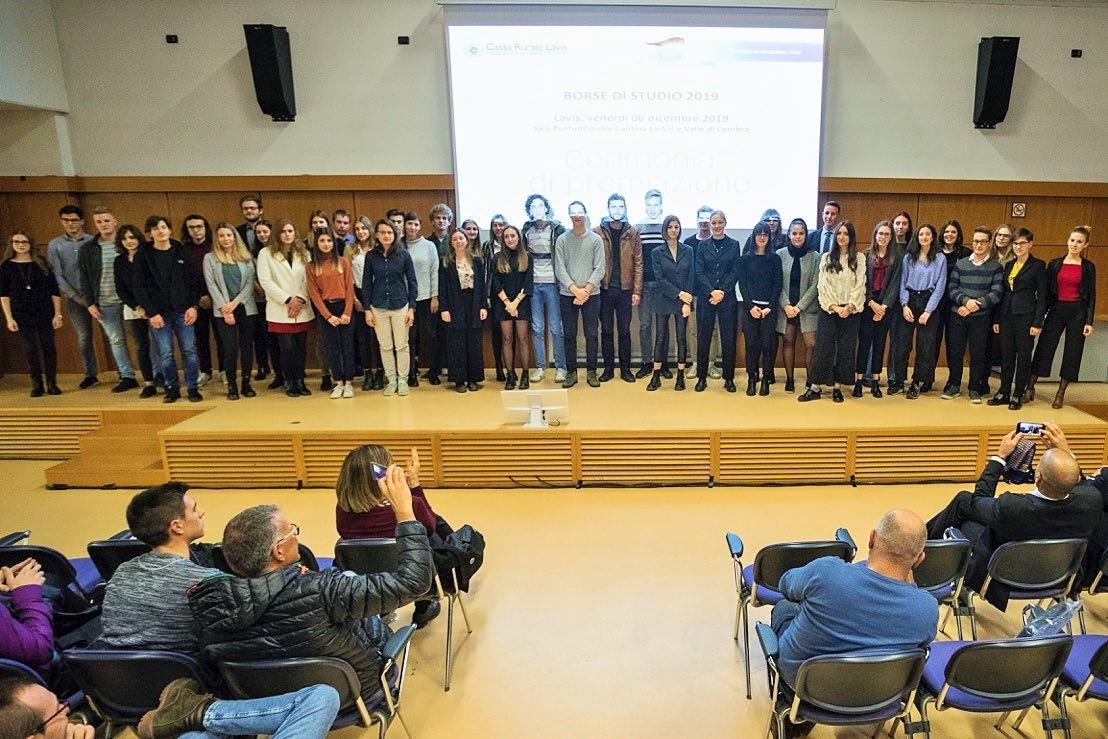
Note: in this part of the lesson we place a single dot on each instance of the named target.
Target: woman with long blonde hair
(230, 273)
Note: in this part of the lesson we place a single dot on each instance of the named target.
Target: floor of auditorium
(599, 612)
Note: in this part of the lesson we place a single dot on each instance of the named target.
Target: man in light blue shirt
(62, 254)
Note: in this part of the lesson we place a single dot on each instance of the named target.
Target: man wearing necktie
(823, 239)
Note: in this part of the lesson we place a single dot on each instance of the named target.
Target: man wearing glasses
(62, 254)
(975, 287)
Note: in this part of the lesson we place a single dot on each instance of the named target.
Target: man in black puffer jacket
(279, 609)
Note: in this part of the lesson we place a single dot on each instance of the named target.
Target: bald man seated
(1061, 506)
(833, 607)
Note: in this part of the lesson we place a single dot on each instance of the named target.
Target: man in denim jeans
(162, 288)
(539, 234)
(62, 253)
(95, 262)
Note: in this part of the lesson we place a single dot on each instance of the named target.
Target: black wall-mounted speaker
(996, 67)
(271, 65)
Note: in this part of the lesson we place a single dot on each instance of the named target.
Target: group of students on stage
(387, 300)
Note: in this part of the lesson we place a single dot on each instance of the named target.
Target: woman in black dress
(463, 306)
(32, 308)
(513, 282)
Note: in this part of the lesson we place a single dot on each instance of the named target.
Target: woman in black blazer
(463, 306)
(886, 259)
(1019, 318)
(673, 271)
(512, 285)
(1070, 302)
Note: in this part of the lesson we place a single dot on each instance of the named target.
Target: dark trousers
(426, 340)
(1016, 343)
(267, 351)
(202, 328)
(367, 350)
(972, 331)
(761, 343)
(836, 346)
(463, 354)
(615, 305)
(661, 337)
(941, 317)
(959, 514)
(140, 332)
(871, 342)
(294, 350)
(38, 345)
(1067, 318)
(707, 315)
(590, 316)
(237, 344)
(339, 341)
(647, 341)
(925, 337)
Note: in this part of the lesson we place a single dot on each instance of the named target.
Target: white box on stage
(536, 409)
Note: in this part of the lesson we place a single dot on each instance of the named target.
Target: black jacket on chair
(450, 295)
(1022, 517)
(1087, 292)
(1027, 295)
(293, 612)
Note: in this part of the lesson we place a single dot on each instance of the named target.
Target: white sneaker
(715, 373)
(402, 386)
(690, 371)
(336, 392)
(390, 385)
(348, 390)
(536, 375)
(560, 376)
(203, 379)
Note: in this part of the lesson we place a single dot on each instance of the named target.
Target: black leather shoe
(172, 395)
(810, 394)
(472, 387)
(998, 399)
(261, 374)
(88, 382)
(701, 385)
(790, 385)
(195, 396)
(302, 388)
(655, 381)
(459, 387)
(292, 392)
(37, 389)
(895, 388)
(524, 381)
(751, 387)
(626, 376)
(1014, 404)
(367, 382)
(232, 392)
(500, 376)
(425, 612)
(510, 381)
(857, 391)
(606, 375)
(875, 390)
(433, 380)
(679, 383)
(53, 389)
(837, 395)
(278, 382)
(644, 371)
(148, 392)
(729, 386)
(247, 389)
(326, 384)
(592, 379)
(413, 380)
(127, 383)
(914, 391)
(764, 389)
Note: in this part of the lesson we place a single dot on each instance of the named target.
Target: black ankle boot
(524, 380)
(510, 380)
(37, 388)
(655, 380)
(679, 384)
(764, 389)
(752, 386)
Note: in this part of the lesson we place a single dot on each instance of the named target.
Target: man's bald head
(900, 536)
(1057, 474)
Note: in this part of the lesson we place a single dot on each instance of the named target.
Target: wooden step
(133, 471)
(115, 440)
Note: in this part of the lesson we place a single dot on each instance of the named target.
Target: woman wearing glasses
(1019, 319)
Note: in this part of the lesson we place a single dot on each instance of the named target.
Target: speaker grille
(271, 66)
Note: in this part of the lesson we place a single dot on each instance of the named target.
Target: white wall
(34, 143)
(899, 98)
(30, 65)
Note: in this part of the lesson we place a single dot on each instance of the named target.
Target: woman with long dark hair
(463, 307)
(882, 297)
(367, 351)
(32, 307)
(1071, 300)
(952, 245)
(267, 352)
(760, 279)
(128, 239)
(673, 297)
(282, 272)
(489, 252)
(922, 285)
(513, 284)
(197, 237)
(389, 294)
(799, 299)
(902, 229)
(842, 288)
(331, 287)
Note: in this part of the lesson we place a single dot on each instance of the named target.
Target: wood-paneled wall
(1052, 209)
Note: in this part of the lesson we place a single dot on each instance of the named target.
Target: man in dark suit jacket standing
(823, 238)
(1061, 506)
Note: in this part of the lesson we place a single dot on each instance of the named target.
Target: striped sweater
(981, 282)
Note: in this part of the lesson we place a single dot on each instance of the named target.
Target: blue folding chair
(1085, 676)
(73, 605)
(941, 573)
(756, 584)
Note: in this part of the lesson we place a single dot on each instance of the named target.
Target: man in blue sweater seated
(832, 607)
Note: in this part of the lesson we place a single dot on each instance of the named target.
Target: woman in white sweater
(842, 289)
(288, 311)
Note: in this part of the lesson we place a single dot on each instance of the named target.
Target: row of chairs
(955, 674)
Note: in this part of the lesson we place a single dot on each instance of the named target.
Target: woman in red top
(1071, 300)
(331, 288)
(363, 512)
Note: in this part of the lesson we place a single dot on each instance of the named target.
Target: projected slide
(728, 117)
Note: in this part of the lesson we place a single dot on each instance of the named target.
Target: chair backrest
(307, 558)
(14, 537)
(1008, 669)
(775, 560)
(1098, 665)
(56, 568)
(860, 683)
(109, 554)
(276, 676)
(125, 684)
(1037, 564)
(366, 556)
(944, 562)
(11, 668)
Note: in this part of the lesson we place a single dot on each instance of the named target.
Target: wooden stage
(617, 434)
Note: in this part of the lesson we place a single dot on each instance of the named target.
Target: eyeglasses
(41, 728)
(1021, 242)
(980, 241)
(72, 219)
(294, 531)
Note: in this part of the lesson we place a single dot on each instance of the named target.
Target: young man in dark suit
(822, 239)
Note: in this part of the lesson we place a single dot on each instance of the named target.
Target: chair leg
(449, 644)
(1046, 719)
(1020, 718)
(465, 616)
(877, 729)
(738, 616)
(896, 723)
(1000, 721)
(1081, 617)
(746, 647)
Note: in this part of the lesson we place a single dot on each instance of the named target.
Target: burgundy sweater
(380, 523)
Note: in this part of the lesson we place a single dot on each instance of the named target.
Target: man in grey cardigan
(579, 268)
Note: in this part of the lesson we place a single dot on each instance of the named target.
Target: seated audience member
(363, 513)
(145, 605)
(276, 608)
(1053, 438)
(28, 710)
(1060, 506)
(833, 607)
(26, 632)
